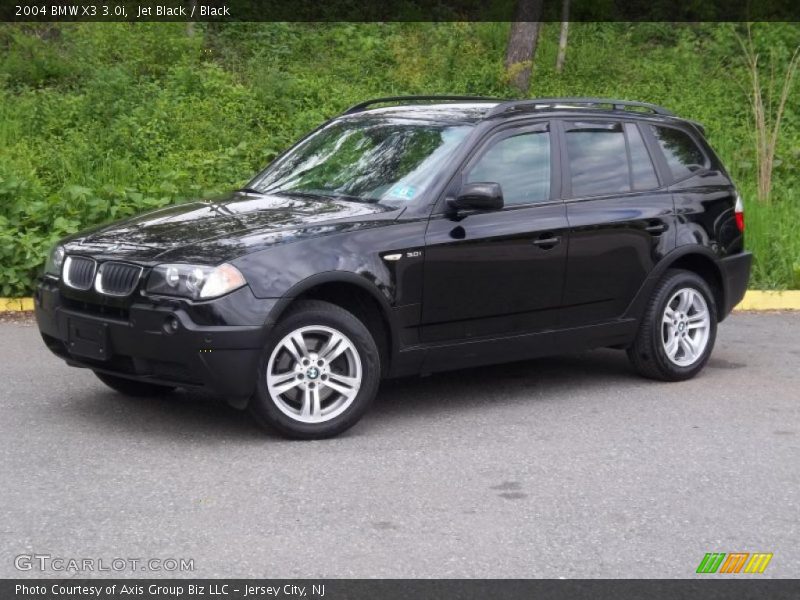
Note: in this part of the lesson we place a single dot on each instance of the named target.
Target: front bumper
(216, 345)
(736, 275)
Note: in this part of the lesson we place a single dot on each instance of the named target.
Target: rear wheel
(677, 334)
(318, 373)
(131, 387)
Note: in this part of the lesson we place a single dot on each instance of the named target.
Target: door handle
(656, 228)
(547, 241)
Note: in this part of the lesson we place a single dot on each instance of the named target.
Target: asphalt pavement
(561, 467)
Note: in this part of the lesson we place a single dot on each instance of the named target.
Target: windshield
(372, 160)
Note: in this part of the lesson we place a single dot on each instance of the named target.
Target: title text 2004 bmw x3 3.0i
(431, 234)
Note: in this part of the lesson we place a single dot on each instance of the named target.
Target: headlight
(55, 260)
(194, 281)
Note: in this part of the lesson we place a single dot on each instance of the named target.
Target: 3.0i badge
(397, 256)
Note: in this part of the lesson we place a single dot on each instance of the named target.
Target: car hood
(222, 228)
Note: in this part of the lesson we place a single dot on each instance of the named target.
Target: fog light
(171, 325)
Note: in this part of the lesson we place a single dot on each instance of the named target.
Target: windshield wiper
(247, 190)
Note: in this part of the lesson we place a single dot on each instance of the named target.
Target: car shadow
(554, 378)
(197, 415)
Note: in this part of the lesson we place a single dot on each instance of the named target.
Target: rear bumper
(222, 358)
(735, 275)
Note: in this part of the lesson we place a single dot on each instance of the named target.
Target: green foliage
(99, 121)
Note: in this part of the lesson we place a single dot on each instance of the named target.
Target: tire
(322, 387)
(675, 345)
(133, 388)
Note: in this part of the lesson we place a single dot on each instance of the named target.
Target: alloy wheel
(685, 327)
(314, 374)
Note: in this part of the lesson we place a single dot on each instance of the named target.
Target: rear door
(621, 217)
(499, 273)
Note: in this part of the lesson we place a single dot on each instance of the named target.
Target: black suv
(433, 233)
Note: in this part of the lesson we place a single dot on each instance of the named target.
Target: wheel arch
(697, 259)
(356, 295)
(707, 268)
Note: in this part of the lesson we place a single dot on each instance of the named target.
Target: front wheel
(318, 374)
(677, 333)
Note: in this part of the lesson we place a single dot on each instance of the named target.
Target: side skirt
(431, 358)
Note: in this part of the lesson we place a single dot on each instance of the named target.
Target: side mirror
(478, 196)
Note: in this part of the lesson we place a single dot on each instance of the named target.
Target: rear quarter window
(682, 154)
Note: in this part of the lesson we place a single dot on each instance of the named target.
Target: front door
(499, 273)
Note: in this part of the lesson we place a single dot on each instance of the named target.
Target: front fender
(283, 270)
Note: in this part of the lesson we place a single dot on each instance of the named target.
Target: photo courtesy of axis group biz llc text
(451, 299)
(175, 589)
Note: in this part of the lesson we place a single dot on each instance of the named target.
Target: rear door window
(598, 161)
(607, 158)
(682, 154)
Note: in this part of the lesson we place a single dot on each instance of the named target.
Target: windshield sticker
(406, 192)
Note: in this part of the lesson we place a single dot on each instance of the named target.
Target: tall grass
(772, 233)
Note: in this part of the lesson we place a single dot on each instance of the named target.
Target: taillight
(739, 212)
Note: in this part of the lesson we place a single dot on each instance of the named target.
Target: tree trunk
(190, 23)
(522, 41)
(562, 41)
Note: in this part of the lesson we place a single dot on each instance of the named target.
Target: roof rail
(545, 103)
(406, 99)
